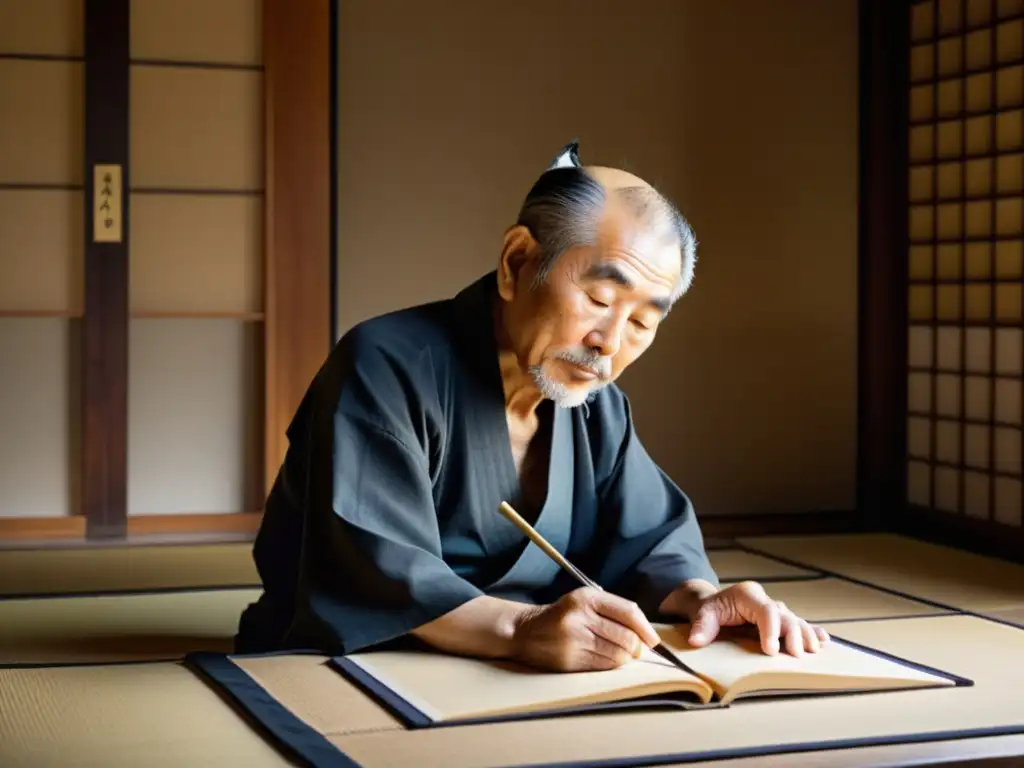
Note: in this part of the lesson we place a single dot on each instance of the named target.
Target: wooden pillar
(882, 325)
(298, 61)
(105, 322)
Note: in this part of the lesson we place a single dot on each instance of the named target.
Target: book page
(445, 687)
(736, 664)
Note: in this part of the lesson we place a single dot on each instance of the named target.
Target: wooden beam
(24, 529)
(105, 321)
(882, 314)
(297, 64)
(970, 534)
(729, 527)
(235, 522)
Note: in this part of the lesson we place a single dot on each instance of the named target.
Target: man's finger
(810, 638)
(823, 636)
(705, 626)
(794, 637)
(769, 624)
(618, 634)
(626, 613)
(606, 654)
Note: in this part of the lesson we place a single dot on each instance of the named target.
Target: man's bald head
(569, 203)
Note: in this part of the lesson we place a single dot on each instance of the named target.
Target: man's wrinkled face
(597, 310)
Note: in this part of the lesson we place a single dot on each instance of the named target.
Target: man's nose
(606, 339)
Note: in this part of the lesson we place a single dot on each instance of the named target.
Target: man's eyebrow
(605, 271)
(611, 272)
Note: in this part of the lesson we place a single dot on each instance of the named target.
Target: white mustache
(588, 359)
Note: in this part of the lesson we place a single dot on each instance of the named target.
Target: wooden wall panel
(298, 61)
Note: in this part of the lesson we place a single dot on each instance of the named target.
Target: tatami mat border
(288, 731)
(264, 713)
(900, 617)
(788, 749)
(129, 592)
(98, 663)
(300, 740)
(943, 607)
(775, 579)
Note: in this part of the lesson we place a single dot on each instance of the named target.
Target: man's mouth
(585, 372)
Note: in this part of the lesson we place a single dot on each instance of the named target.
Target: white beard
(558, 393)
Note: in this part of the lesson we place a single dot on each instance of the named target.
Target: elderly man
(383, 525)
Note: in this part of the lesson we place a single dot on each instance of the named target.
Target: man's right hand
(586, 630)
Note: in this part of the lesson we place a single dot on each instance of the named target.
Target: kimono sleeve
(373, 567)
(654, 541)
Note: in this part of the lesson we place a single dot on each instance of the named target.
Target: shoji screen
(153, 353)
(196, 296)
(41, 247)
(966, 250)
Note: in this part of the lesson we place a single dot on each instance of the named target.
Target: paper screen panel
(196, 128)
(46, 27)
(194, 253)
(41, 258)
(966, 250)
(194, 416)
(41, 241)
(196, 290)
(42, 125)
(39, 417)
(198, 31)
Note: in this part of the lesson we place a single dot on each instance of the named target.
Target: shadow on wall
(744, 113)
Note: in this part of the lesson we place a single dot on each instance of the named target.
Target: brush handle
(541, 542)
(555, 555)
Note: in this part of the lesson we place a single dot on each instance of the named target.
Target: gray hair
(563, 209)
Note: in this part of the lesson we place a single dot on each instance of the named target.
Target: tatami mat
(121, 568)
(167, 625)
(823, 600)
(738, 565)
(926, 571)
(1012, 615)
(130, 715)
(110, 628)
(987, 652)
(163, 714)
(125, 568)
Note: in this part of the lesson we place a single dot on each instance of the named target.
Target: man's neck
(521, 394)
(522, 397)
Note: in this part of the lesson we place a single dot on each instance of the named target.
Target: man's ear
(519, 254)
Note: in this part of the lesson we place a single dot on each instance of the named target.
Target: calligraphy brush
(555, 555)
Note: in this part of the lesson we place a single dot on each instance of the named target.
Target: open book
(429, 689)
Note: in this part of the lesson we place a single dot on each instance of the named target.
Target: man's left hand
(748, 603)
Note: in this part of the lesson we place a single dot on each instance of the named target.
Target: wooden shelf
(41, 528)
(149, 314)
(41, 313)
(142, 314)
(232, 522)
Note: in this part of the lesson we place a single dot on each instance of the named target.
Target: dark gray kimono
(385, 513)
